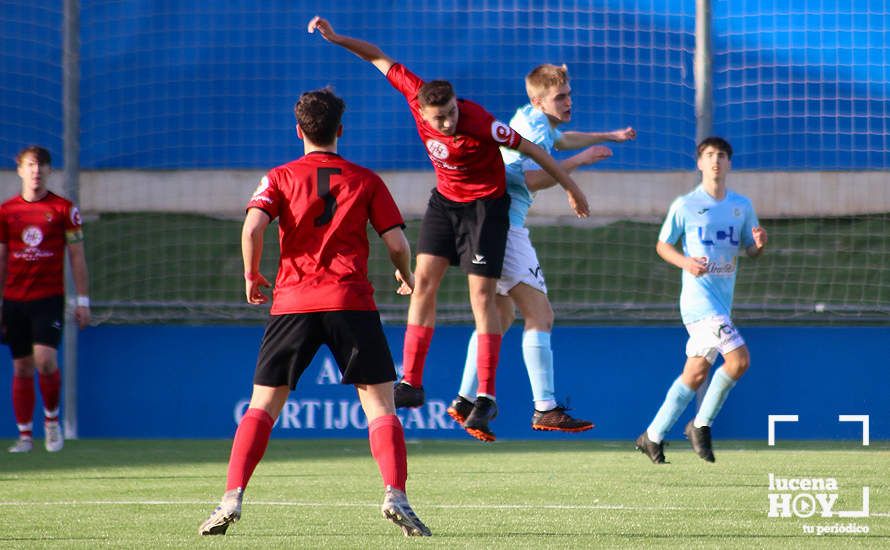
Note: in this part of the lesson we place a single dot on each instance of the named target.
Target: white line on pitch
(367, 505)
(354, 505)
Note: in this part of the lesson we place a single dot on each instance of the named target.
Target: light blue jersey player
(522, 281)
(716, 231)
(716, 226)
(534, 125)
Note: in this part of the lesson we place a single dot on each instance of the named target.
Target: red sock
(251, 440)
(388, 449)
(50, 386)
(23, 399)
(417, 344)
(488, 349)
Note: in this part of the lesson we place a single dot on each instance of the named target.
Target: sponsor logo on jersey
(32, 236)
(721, 268)
(75, 216)
(437, 149)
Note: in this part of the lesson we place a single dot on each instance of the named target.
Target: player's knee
(737, 365)
(23, 369)
(482, 299)
(425, 286)
(45, 365)
(695, 379)
(541, 323)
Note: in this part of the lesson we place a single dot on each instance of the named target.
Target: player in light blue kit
(717, 225)
(522, 281)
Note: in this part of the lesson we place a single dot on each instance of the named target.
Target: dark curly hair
(318, 113)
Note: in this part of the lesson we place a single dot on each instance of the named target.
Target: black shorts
(472, 235)
(355, 338)
(33, 322)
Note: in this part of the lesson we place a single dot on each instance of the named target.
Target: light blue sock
(469, 382)
(721, 384)
(675, 402)
(538, 358)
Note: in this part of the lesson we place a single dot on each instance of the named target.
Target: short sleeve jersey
(533, 125)
(323, 204)
(717, 230)
(468, 164)
(35, 234)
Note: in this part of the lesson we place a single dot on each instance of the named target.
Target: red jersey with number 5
(323, 204)
(35, 235)
(468, 164)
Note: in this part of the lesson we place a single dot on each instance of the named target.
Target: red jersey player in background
(36, 227)
(322, 296)
(466, 220)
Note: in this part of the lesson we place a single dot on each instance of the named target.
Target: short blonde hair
(543, 77)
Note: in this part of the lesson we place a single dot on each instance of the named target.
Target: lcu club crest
(719, 235)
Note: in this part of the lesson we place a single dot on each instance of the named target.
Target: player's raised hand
(624, 135)
(593, 154)
(578, 201)
(696, 265)
(253, 286)
(406, 283)
(323, 27)
(759, 235)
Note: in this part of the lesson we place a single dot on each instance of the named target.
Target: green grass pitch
(512, 494)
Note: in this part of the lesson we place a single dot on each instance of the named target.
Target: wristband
(83, 301)
(251, 276)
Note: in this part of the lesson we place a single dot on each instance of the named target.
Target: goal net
(184, 106)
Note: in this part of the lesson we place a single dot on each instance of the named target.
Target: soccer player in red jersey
(466, 220)
(322, 296)
(36, 227)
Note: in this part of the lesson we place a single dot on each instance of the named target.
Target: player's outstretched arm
(536, 180)
(255, 223)
(400, 256)
(577, 140)
(670, 254)
(577, 200)
(367, 51)
(760, 240)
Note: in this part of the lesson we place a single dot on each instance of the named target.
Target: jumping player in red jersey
(322, 296)
(466, 220)
(36, 227)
